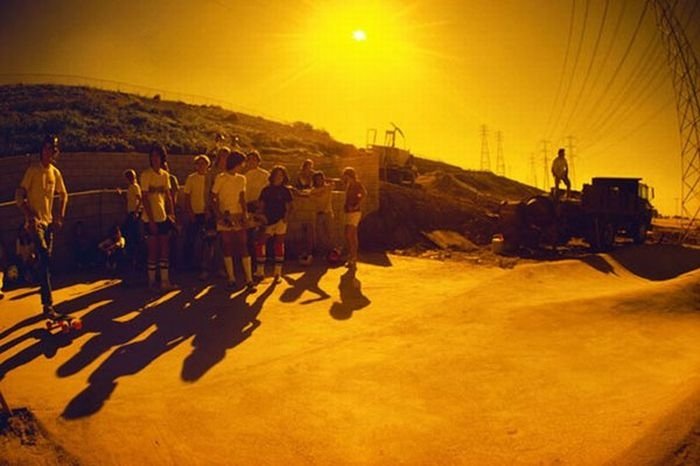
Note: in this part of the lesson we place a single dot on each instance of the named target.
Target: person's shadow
(308, 281)
(224, 329)
(351, 297)
(173, 321)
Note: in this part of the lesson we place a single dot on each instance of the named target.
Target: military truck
(605, 209)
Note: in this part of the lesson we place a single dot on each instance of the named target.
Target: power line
(643, 69)
(613, 41)
(573, 70)
(566, 61)
(645, 94)
(590, 66)
(652, 54)
(622, 60)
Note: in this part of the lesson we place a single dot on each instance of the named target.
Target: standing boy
(232, 214)
(355, 194)
(196, 203)
(35, 198)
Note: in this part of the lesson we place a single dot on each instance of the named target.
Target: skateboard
(65, 322)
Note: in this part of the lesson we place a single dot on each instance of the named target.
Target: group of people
(233, 210)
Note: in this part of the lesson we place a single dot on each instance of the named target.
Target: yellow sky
(439, 69)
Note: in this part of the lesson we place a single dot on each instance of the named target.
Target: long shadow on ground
(309, 281)
(216, 322)
(222, 330)
(351, 297)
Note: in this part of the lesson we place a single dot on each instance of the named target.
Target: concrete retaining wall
(91, 177)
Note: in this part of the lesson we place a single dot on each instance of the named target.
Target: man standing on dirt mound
(560, 171)
(35, 198)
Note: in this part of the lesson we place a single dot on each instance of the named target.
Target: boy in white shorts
(276, 204)
(231, 218)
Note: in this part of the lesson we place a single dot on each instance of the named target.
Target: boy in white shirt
(229, 203)
(35, 198)
(158, 216)
(196, 205)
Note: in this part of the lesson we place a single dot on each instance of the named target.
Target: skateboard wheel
(65, 327)
(49, 326)
(76, 324)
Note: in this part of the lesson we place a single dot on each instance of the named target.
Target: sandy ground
(584, 361)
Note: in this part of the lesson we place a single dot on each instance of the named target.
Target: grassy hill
(89, 119)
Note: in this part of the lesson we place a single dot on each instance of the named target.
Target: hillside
(90, 119)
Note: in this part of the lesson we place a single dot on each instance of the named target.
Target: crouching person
(276, 202)
(230, 206)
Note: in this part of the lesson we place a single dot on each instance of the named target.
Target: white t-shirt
(155, 186)
(256, 180)
(133, 193)
(195, 187)
(228, 187)
(41, 183)
(559, 167)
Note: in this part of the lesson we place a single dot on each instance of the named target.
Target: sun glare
(359, 35)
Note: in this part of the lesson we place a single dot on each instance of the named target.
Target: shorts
(235, 223)
(164, 228)
(279, 228)
(235, 243)
(353, 218)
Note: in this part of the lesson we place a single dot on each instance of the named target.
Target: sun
(359, 35)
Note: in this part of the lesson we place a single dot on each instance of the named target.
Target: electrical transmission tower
(485, 157)
(500, 161)
(533, 170)
(684, 73)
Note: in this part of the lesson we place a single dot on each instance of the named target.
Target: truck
(603, 210)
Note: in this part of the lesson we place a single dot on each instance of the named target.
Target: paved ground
(582, 361)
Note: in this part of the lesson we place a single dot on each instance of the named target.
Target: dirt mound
(446, 198)
(462, 181)
(405, 213)
(24, 441)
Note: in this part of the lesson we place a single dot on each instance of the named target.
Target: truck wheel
(607, 236)
(640, 233)
(602, 235)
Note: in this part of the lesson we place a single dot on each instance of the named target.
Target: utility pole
(500, 161)
(572, 156)
(545, 158)
(485, 157)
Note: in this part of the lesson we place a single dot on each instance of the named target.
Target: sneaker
(50, 313)
(2, 295)
(250, 287)
(277, 279)
(231, 285)
(258, 278)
